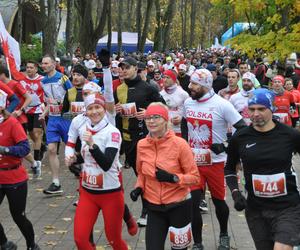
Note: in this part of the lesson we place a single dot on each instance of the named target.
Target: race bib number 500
(180, 237)
(269, 186)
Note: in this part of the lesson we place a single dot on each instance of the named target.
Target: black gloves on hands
(3, 150)
(218, 148)
(135, 193)
(164, 176)
(240, 202)
(104, 57)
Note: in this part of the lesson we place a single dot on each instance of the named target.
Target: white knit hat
(202, 77)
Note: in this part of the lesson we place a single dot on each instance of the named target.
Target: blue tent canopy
(129, 43)
(238, 28)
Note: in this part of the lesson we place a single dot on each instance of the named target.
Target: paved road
(53, 218)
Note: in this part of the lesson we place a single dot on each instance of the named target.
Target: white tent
(129, 42)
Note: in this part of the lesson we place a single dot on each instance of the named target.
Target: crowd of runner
(185, 121)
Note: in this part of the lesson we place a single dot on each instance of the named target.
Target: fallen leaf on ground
(70, 196)
(67, 219)
(39, 189)
(53, 205)
(51, 243)
(62, 231)
(49, 227)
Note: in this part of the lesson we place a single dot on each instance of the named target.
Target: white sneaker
(203, 206)
(37, 169)
(142, 221)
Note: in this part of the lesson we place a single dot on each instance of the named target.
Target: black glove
(135, 193)
(240, 202)
(75, 169)
(218, 148)
(164, 176)
(104, 57)
(4, 150)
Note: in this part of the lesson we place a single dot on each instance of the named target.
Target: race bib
(92, 181)
(282, 117)
(180, 237)
(128, 110)
(202, 156)
(55, 109)
(77, 107)
(269, 186)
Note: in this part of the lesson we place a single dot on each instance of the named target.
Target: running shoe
(197, 246)
(75, 203)
(132, 227)
(142, 221)
(53, 190)
(203, 206)
(37, 169)
(224, 242)
(9, 245)
(36, 247)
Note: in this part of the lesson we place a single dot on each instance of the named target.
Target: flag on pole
(13, 45)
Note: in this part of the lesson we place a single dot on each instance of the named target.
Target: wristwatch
(175, 178)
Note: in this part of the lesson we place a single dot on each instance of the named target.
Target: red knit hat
(157, 110)
(171, 74)
(279, 78)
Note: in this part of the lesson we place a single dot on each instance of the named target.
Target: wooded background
(171, 23)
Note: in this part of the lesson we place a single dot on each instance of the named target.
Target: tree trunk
(139, 21)
(89, 33)
(183, 19)
(158, 31)
(70, 28)
(109, 30)
(20, 21)
(129, 11)
(192, 24)
(50, 31)
(146, 25)
(120, 10)
(167, 23)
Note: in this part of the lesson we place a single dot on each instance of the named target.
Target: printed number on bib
(202, 156)
(128, 110)
(77, 107)
(282, 117)
(180, 237)
(55, 109)
(269, 186)
(92, 181)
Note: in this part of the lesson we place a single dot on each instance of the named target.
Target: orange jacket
(172, 154)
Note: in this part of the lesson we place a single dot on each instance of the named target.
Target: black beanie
(80, 70)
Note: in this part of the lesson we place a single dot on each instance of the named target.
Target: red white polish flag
(13, 45)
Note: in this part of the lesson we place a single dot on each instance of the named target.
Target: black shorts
(270, 226)
(33, 122)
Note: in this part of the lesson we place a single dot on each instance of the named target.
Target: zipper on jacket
(155, 171)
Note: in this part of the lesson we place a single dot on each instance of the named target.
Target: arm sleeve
(106, 159)
(108, 88)
(190, 175)
(20, 150)
(184, 129)
(156, 97)
(13, 103)
(230, 167)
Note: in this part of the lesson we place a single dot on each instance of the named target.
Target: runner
(232, 88)
(266, 149)
(288, 86)
(165, 171)
(101, 188)
(207, 116)
(284, 101)
(55, 86)
(13, 176)
(174, 97)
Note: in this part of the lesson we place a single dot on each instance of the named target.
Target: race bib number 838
(180, 237)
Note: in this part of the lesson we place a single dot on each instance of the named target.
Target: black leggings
(158, 224)
(222, 213)
(16, 197)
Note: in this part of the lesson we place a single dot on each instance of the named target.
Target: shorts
(57, 129)
(269, 226)
(33, 122)
(214, 177)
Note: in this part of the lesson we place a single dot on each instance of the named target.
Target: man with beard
(206, 118)
(266, 149)
(240, 100)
